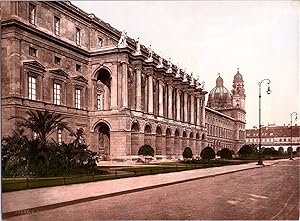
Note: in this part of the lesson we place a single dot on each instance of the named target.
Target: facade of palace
(275, 136)
(123, 95)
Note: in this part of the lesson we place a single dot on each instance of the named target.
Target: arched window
(59, 136)
(100, 100)
(103, 90)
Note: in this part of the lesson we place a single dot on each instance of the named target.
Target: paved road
(264, 193)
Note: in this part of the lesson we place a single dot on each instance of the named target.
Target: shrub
(187, 153)
(232, 152)
(289, 150)
(23, 156)
(247, 151)
(267, 151)
(270, 152)
(281, 150)
(146, 150)
(208, 153)
(226, 153)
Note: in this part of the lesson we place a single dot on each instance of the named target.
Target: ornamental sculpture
(169, 66)
(150, 54)
(122, 42)
(138, 47)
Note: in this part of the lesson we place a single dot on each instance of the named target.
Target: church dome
(219, 96)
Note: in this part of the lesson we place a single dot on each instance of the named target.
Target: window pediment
(34, 66)
(81, 79)
(59, 73)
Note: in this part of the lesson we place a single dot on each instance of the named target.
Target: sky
(261, 38)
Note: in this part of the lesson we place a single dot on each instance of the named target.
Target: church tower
(238, 92)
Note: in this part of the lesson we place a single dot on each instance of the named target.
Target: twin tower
(230, 103)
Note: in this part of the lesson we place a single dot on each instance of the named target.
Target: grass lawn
(113, 172)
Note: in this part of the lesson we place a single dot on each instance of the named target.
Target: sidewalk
(28, 201)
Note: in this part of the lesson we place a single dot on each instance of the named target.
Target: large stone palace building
(123, 95)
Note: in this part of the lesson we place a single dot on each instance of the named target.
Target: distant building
(225, 115)
(275, 136)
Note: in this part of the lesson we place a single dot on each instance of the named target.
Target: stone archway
(168, 143)
(158, 141)
(147, 136)
(135, 145)
(198, 145)
(184, 141)
(191, 142)
(177, 144)
(103, 140)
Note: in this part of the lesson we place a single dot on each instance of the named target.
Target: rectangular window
(56, 25)
(59, 136)
(32, 51)
(32, 13)
(78, 67)
(99, 101)
(77, 36)
(77, 98)
(57, 60)
(100, 42)
(57, 95)
(32, 88)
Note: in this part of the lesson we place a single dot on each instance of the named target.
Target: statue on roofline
(169, 66)
(150, 54)
(122, 42)
(160, 62)
(138, 47)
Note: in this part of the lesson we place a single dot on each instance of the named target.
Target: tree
(78, 134)
(42, 123)
(187, 153)
(13, 152)
(270, 151)
(281, 150)
(146, 150)
(247, 151)
(226, 153)
(41, 156)
(207, 153)
(267, 151)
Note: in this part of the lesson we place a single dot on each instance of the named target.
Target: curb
(88, 199)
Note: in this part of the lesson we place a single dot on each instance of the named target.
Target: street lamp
(291, 156)
(260, 162)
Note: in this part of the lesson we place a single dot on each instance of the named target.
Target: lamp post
(260, 162)
(291, 156)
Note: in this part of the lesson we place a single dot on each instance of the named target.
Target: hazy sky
(206, 37)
